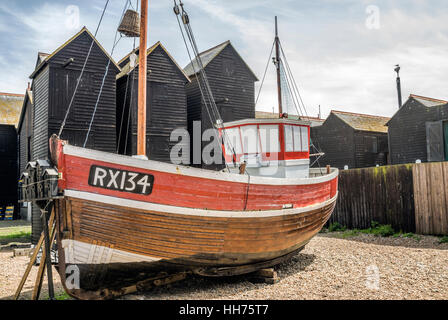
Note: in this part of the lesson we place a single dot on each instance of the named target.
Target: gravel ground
(12, 270)
(363, 267)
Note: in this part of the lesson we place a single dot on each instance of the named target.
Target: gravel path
(333, 268)
(364, 267)
(12, 270)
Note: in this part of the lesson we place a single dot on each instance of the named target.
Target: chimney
(29, 86)
(397, 70)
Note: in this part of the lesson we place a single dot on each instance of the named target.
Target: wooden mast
(277, 59)
(142, 82)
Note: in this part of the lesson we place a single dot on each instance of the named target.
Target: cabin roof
(10, 108)
(44, 58)
(265, 121)
(208, 56)
(315, 122)
(127, 68)
(28, 97)
(363, 122)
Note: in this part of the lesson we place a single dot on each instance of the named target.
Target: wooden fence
(411, 198)
(431, 198)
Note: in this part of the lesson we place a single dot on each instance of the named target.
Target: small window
(269, 138)
(289, 139)
(249, 136)
(305, 139)
(232, 141)
(296, 139)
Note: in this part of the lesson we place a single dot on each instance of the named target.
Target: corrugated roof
(428, 102)
(127, 68)
(363, 122)
(208, 56)
(10, 108)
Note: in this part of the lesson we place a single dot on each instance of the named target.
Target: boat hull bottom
(117, 278)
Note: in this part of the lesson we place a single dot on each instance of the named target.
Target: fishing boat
(120, 218)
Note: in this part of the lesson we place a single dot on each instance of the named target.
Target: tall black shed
(351, 139)
(54, 82)
(166, 104)
(232, 83)
(419, 131)
(10, 106)
(8, 168)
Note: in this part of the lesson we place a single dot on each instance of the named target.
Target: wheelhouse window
(249, 137)
(296, 139)
(269, 139)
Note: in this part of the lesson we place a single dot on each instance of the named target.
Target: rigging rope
(105, 75)
(294, 83)
(82, 71)
(264, 76)
(203, 83)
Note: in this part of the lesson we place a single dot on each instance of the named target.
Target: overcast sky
(342, 52)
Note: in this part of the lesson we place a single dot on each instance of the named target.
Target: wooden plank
(32, 260)
(445, 189)
(437, 198)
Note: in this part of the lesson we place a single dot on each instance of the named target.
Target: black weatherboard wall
(8, 167)
(54, 82)
(353, 140)
(419, 131)
(166, 104)
(232, 83)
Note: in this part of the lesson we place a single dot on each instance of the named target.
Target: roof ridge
(11, 94)
(215, 47)
(427, 98)
(359, 114)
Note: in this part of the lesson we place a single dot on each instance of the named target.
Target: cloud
(338, 62)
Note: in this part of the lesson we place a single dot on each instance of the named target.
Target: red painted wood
(193, 192)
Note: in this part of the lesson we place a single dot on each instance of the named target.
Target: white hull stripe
(148, 206)
(193, 172)
(77, 252)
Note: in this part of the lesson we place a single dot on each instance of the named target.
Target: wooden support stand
(45, 237)
(268, 276)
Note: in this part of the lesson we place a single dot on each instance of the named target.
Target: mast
(277, 64)
(142, 81)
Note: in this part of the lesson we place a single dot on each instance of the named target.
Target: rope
(293, 81)
(264, 76)
(82, 71)
(105, 75)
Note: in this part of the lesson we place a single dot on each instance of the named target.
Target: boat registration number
(121, 180)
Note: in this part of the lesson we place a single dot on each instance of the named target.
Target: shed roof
(43, 58)
(127, 67)
(424, 101)
(28, 97)
(363, 122)
(10, 108)
(208, 56)
(428, 102)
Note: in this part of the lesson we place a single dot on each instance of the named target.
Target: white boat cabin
(277, 148)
